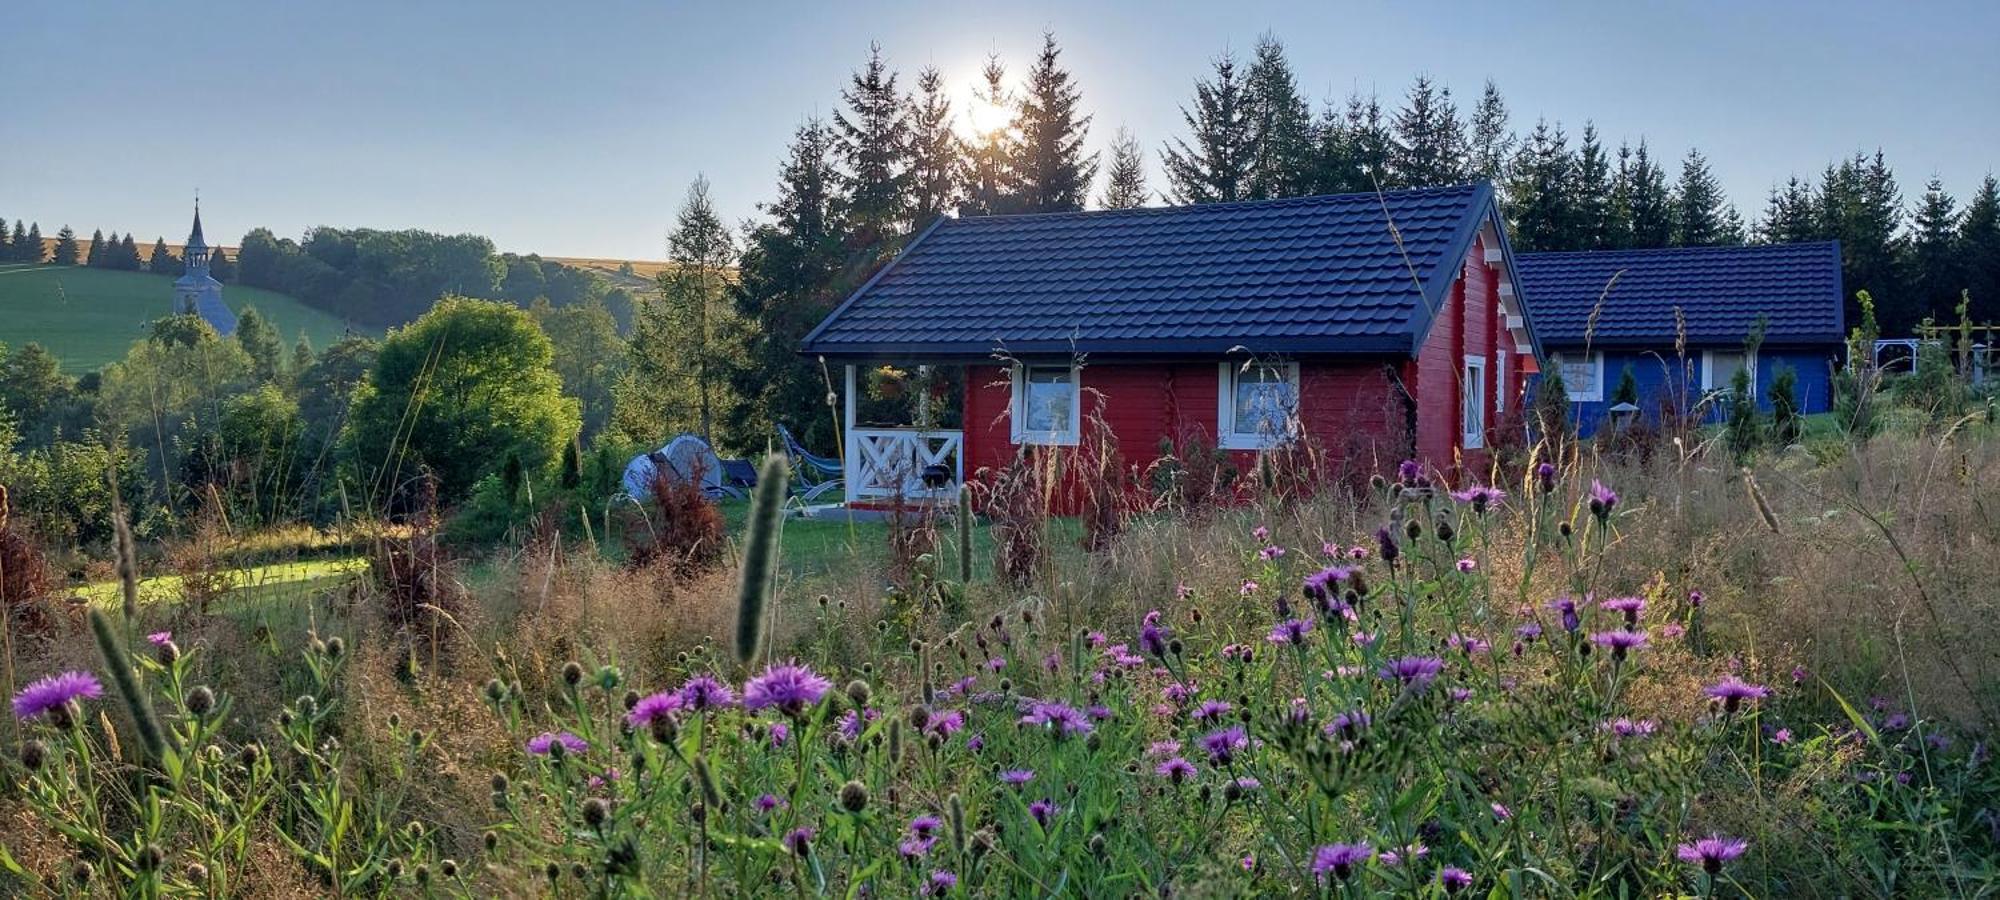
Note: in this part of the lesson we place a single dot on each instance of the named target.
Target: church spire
(194, 237)
(195, 254)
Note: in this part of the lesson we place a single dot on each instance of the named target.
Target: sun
(979, 116)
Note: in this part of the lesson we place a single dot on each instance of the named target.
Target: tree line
(853, 189)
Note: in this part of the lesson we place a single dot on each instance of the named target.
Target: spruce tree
(128, 253)
(1126, 186)
(1861, 206)
(1217, 167)
(163, 260)
(1979, 240)
(1336, 162)
(1698, 204)
(993, 185)
(937, 156)
(1646, 201)
(1371, 141)
(66, 249)
(1285, 140)
(874, 151)
(17, 246)
(1053, 171)
(1934, 252)
(1543, 191)
(1429, 148)
(1492, 142)
(1597, 226)
(259, 339)
(220, 266)
(95, 255)
(302, 355)
(1791, 216)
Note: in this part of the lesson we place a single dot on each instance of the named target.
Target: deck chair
(816, 475)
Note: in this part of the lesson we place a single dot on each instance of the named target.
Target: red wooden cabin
(1368, 327)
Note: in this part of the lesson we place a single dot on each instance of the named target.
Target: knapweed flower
(1249, 587)
(799, 840)
(1784, 736)
(1152, 637)
(768, 802)
(1453, 878)
(790, 686)
(1502, 813)
(1175, 769)
(1393, 858)
(1340, 860)
(945, 724)
(1712, 851)
(1325, 583)
(1732, 691)
(1386, 543)
(46, 695)
(1043, 810)
(1619, 643)
(664, 703)
(1261, 533)
(925, 826)
(1270, 553)
(1060, 719)
(1222, 744)
(915, 847)
(1624, 727)
(160, 638)
(1545, 475)
(1290, 631)
(1529, 631)
(940, 883)
(1631, 607)
(1471, 645)
(1348, 725)
(544, 744)
(1416, 672)
(779, 732)
(1468, 565)
(1480, 497)
(1210, 710)
(1409, 471)
(1602, 499)
(1017, 777)
(702, 693)
(1567, 609)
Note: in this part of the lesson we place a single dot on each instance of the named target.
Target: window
(1473, 400)
(1583, 375)
(1719, 368)
(1500, 391)
(1045, 405)
(1257, 405)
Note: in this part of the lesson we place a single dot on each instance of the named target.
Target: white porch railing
(887, 463)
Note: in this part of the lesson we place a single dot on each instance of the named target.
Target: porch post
(852, 446)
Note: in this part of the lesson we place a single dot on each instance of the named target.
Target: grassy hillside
(88, 317)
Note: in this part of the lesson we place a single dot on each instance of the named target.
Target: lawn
(89, 317)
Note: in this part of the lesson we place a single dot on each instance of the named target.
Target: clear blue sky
(574, 129)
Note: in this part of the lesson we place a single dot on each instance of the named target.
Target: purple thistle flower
(1210, 710)
(1480, 497)
(1387, 545)
(664, 703)
(55, 691)
(1415, 672)
(1454, 878)
(1349, 725)
(1340, 860)
(1175, 769)
(1630, 606)
(1222, 744)
(1017, 777)
(1043, 810)
(1408, 471)
(915, 847)
(779, 732)
(1732, 691)
(1472, 645)
(1468, 565)
(1153, 638)
(160, 638)
(1623, 727)
(1712, 851)
(1323, 584)
(1290, 631)
(1261, 533)
(1567, 608)
(1602, 499)
(925, 826)
(1545, 475)
(702, 693)
(1529, 631)
(1060, 719)
(1619, 642)
(1270, 553)
(799, 840)
(1394, 858)
(945, 724)
(1249, 587)
(791, 687)
(768, 802)
(941, 882)
(545, 744)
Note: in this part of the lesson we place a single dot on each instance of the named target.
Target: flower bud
(572, 673)
(200, 701)
(854, 796)
(33, 754)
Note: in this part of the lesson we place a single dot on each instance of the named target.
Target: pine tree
(874, 150)
(17, 247)
(163, 260)
(1285, 140)
(34, 252)
(1543, 191)
(1698, 204)
(1336, 163)
(1979, 239)
(1861, 206)
(1126, 187)
(1791, 215)
(1429, 148)
(993, 184)
(1054, 172)
(937, 156)
(260, 340)
(1934, 252)
(1648, 206)
(1217, 167)
(94, 256)
(1597, 227)
(66, 249)
(302, 354)
(220, 266)
(1370, 141)
(128, 253)
(1492, 142)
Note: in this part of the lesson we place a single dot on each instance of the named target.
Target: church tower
(198, 292)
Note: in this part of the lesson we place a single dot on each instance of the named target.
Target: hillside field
(89, 317)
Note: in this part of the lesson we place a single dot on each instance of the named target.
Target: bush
(1742, 430)
(1786, 423)
(678, 529)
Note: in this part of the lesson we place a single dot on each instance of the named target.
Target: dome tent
(685, 458)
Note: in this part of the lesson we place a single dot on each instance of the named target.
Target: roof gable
(1306, 275)
(1721, 292)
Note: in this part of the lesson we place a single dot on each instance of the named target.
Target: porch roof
(1338, 274)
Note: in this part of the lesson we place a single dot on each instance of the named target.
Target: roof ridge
(1273, 202)
(1627, 251)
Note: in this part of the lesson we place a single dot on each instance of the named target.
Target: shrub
(1742, 429)
(678, 528)
(1786, 423)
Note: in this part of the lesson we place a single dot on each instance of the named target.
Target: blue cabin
(1600, 313)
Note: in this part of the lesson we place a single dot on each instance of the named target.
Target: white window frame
(1225, 408)
(1708, 381)
(1472, 403)
(1500, 391)
(1017, 409)
(1596, 361)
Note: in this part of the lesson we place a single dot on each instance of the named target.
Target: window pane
(1580, 376)
(1051, 393)
(1264, 402)
(1723, 366)
(1474, 401)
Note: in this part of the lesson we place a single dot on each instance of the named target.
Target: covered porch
(899, 450)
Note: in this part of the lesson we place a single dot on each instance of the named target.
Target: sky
(573, 129)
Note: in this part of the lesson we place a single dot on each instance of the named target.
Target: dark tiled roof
(1304, 275)
(1721, 290)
